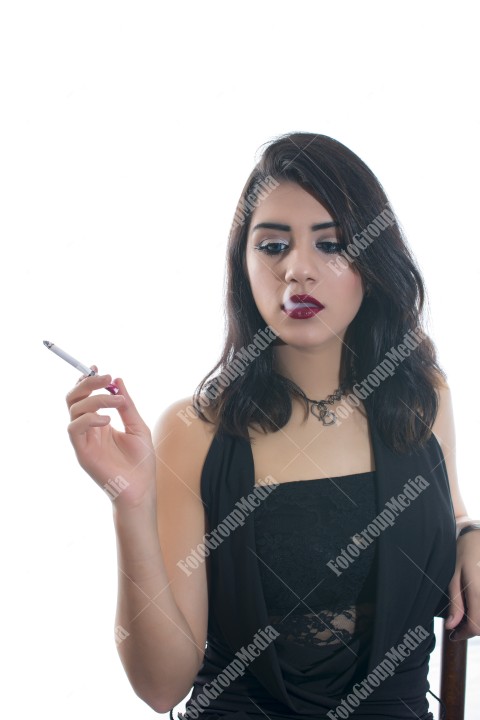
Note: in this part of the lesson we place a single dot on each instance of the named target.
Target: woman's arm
(464, 588)
(444, 430)
(154, 641)
(161, 621)
(163, 609)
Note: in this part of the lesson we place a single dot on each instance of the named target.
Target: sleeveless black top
(312, 602)
(322, 593)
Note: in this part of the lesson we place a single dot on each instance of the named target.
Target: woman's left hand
(464, 589)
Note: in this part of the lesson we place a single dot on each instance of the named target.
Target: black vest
(416, 561)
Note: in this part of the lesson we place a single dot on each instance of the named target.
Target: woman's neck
(315, 370)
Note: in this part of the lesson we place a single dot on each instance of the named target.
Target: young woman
(298, 515)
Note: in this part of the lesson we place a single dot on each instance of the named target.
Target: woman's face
(294, 260)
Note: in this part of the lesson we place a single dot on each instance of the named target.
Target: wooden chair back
(453, 673)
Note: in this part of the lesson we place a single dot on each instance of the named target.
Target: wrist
(466, 525)
(125, 512)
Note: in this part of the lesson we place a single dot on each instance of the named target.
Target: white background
(127, 133)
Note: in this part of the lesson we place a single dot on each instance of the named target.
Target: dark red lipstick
(302, 307)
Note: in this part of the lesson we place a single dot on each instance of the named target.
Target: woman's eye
(277, 247)
(272, 248)
(330, 247)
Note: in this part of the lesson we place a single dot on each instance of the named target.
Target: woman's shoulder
(443, 429)
(182, 436)
(443, 422)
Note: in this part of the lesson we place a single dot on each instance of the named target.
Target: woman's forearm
(154, 641)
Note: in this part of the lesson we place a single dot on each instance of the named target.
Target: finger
(82, 377)
(79, 427)
(469, 626)
(85, 386)
(463, 631)
(128, 412)
(456, 610)
(93, 403)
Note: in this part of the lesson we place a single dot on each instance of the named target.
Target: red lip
(307, 299)
(302, 307)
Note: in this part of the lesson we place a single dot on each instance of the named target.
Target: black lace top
(319, 589)
(289, 561)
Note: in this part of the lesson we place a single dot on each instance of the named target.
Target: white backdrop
(127, 132)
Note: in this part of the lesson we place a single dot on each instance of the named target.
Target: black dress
(323, 592)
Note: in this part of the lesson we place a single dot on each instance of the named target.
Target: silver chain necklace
(319, 408)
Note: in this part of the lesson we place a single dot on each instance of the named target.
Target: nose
(302, 264)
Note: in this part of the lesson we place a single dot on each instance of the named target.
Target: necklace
(319, 407)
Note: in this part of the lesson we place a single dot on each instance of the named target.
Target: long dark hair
(240, 392)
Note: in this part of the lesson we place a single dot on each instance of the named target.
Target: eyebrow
(287, 228)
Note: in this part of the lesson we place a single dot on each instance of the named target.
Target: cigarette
(77, 364)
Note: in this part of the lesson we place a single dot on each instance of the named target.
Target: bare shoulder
(443, 426)
(180, 432)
